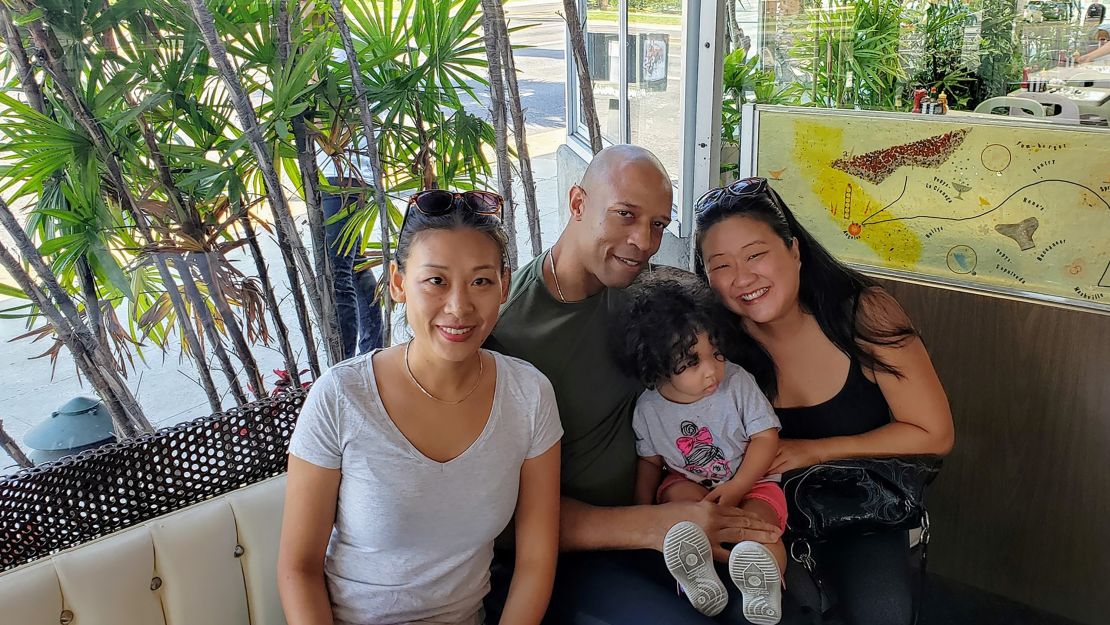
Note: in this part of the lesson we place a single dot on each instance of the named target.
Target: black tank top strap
(856, 380)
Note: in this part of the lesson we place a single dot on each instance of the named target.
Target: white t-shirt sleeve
(547, 429)
(316, 437)
(645, 446)
(755, 411)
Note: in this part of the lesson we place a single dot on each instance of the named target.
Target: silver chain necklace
(481, 368)
(555, 276)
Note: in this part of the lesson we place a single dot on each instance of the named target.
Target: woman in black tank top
(802, 319)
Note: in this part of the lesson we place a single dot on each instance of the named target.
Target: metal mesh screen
(64, 503)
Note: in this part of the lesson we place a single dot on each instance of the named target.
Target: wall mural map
(984, 204)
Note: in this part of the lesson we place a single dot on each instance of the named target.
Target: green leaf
(53, 246)
(132, 114)
(11, 291)
(105, 265)
(24, 20)
(61, 215)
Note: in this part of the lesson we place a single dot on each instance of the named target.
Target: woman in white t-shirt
(407, 462)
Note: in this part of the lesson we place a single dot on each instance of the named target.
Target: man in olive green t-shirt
(557, 317)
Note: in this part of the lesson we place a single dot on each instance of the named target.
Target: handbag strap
(919, 594)
(802, 553)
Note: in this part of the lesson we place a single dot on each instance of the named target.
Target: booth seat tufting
(213, 563)
(176, 527)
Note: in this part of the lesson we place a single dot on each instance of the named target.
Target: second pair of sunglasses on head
(436, 202)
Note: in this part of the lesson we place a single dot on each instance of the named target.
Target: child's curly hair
(658, 325)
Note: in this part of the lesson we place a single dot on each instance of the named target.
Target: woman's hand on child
(795, 454)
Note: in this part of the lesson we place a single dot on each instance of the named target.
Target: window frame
(699, 103)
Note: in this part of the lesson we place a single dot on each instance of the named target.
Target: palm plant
(418, 60)
(743, 82)
(151, 134)
(999, 51)
(942, 64)
(53, 156)
(851, 51)
(71, 121)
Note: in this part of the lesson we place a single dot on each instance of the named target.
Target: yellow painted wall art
(1016, 208)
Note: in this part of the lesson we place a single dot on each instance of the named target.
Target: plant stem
(582, 68)
(291, 366)
(206, 267)
(310, 175)
(190, 222)
(497, 109)
(16, 51)
(8, 444)
(127, 418)
(520, 133)
(368, 129)
(92, 301)
(208, 323)
(283, 219)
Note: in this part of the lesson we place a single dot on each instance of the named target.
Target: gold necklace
(555, 276)
(481, 368)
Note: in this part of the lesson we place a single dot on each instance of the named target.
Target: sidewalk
(164, 385)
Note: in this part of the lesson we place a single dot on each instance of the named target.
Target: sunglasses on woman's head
(436, 202)
(740, 188)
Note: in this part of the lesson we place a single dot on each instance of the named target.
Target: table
(1093, 74)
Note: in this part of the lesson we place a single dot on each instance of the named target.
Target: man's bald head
(616, 159)
(618, 214)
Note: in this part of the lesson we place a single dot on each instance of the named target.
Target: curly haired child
(704, 431)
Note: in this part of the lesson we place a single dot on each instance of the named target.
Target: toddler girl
(704, 431)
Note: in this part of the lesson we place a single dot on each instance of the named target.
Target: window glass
(878, 54)
(654, 73)
(603, 56)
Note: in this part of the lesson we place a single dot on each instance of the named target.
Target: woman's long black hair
(828, 289)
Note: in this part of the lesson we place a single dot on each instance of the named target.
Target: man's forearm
(584, 527)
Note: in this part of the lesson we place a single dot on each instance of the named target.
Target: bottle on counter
(918, 97)
(932, 109)
(942, 104)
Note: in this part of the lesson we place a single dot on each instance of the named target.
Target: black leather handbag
(859, 496)
(854, 497)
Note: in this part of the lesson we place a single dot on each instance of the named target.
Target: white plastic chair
(1090, 78)
(1069, 110)
(1008, 103)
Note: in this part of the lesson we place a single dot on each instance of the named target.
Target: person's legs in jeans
(871, 578)
(342, 266)
(622, 587)
(369, 312)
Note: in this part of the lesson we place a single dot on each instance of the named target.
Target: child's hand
(795, 454)
(725, 494)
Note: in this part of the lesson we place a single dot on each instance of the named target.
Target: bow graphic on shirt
(686, 444)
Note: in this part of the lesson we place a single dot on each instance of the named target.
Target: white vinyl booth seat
(212, 563)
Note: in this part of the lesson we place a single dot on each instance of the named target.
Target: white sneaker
(754, 571)
(689, 558)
